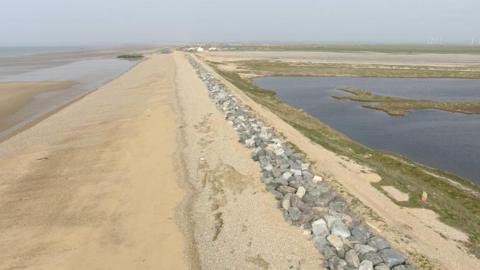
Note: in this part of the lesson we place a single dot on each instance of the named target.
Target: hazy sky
(107, 22)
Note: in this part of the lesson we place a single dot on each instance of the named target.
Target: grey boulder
(392, 257)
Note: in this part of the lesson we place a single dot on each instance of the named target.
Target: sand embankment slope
(94, 186)
(237, 222)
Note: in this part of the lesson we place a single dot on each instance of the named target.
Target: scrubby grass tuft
(130, 56)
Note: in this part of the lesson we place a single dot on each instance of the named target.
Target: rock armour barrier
(304, 198)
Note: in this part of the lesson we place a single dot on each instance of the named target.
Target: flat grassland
(398, 106)
(283, 68)
(455, 200)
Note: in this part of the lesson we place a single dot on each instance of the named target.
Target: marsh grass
(130, 56)
(281, 68)
(398, 106)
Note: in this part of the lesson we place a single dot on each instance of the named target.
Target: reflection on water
(90, 73)
(450, 141)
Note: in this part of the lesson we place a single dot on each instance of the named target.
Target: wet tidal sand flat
(94, 186)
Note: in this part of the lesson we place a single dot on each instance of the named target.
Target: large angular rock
(361, 233)
(295, 184)
(294, 213)
(338, 206)
(392, 257)
(403, 267)
(276, 172)
(301, 192)
(320, 228)
(278, 195)
(287, 175)
(286, 201)
(336, 242)
(328, 252)
(352, 259)
(366, 265)
(372, 256)
(317, 179)
(307, 176)
(296, 172)
(340, 229)
(362, 249)
(268, 167)
(378, 242)
(330, 219)
(320, 242)
(382, 266)
(335, 263)
(325, 198)
(286, 189)
(297, 202)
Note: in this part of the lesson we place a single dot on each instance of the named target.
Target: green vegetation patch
(455, 200)
(130, 56)
(280, 68)
(398, 106)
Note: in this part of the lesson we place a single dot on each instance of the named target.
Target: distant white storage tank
(200, 49)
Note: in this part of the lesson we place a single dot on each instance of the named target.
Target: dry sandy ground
(143, 173)
(452, 60)
(416, 231)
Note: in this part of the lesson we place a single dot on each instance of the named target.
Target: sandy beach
(108, 182)
(145, 173)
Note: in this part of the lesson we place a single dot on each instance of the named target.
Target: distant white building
(212, 49)
(200, 49)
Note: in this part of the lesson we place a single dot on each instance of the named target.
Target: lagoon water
(449, 141)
